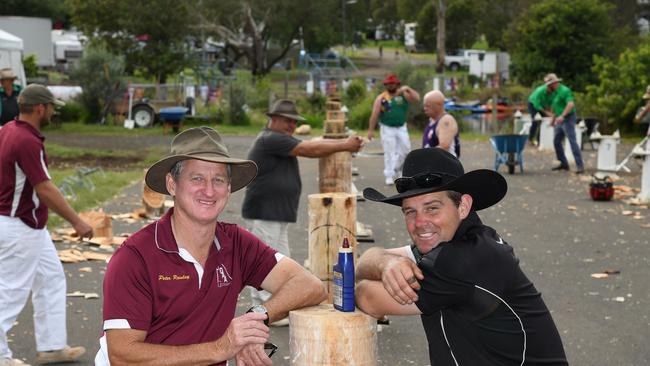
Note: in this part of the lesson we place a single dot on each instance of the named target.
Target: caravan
(11, 52)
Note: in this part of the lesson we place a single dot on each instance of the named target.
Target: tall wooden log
(335, 172)
(332, 217)
(334, 128)
(334, 114)
(323, 336)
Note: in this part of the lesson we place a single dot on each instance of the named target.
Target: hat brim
(295, 117)
(486, 187)
(242, 172)
(646, 96)
(552, 81)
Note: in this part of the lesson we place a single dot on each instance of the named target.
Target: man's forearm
(298, 292)
(371, 263)
(567, 110)
(143, 354)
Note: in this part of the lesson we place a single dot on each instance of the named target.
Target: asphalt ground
(560, 235)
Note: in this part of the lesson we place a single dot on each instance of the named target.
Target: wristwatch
(261, 310)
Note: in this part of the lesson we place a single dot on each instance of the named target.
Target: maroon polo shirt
(23, 165)
(150, 285)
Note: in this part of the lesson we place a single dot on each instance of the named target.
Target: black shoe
(560, 167)
(580, 171)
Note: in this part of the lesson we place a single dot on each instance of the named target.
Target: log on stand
(332, 217)
(335, 173)
(100, 222)
(321, 335)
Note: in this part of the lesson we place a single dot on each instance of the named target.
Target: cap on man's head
(551, 79)
(7, 73)
(35, 94)
(392, 79)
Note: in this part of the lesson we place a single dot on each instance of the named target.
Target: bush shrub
(72, 111)
(356, 92)
(360, 113)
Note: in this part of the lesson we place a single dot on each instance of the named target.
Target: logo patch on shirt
(174, 277)
(223, 277)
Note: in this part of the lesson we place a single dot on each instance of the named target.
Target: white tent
(11, 51)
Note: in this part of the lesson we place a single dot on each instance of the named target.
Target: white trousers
(396, 144)
(275, 234)
(29, 263)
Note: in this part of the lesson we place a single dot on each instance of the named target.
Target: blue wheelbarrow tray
(172, 114)
(509, 151)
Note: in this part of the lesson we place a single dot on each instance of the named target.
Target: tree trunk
(440, 35)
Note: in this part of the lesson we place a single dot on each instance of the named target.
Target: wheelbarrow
(509, 151)
(172, 117)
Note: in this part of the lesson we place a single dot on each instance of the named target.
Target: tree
(621, 84)
(262, 32)
(562, 36)
(460, 24)
(53, 9)
(495, 17)
(150, 34)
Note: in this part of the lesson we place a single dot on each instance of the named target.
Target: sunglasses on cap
(270, 349)
(423, 180)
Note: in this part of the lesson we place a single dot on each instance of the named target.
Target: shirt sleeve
(31, 159)
(279, 144)
(257, 258)
(127, 291)
(443, 284)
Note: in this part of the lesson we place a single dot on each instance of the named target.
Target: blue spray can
(343, 283)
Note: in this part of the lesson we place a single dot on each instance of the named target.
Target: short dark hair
(455, 197)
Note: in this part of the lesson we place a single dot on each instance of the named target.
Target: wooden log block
(334, 114)
(335, 173)
(332, 105)
(100, 222)
(153, 202)
(332, 217)
(323, 336)
(334, 128)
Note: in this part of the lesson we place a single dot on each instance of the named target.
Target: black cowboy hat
(431, 170)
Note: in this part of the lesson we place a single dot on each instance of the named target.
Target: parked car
(459, 59)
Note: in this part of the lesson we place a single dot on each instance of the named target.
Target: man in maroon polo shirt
(170, 291)
(28, 259)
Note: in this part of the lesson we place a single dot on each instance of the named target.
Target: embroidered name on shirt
(173, 277)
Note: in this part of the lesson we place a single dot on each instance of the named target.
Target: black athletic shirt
(475, 300)
(275, 193)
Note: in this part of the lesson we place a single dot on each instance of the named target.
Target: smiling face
(433, 218)
(201, 190)
(283, 125)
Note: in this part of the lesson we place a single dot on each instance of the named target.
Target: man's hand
(354, 143)
(558, 120)
(253, 355)
(399, 278)
(82, 229)
(371, 134)
(244, 330)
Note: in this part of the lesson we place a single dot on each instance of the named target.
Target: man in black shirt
(476, 304)
(8, 96)
(271, 200)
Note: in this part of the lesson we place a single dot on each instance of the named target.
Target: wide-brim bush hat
(647, 93)
(551, 79)
(285, 108)
(7, 73)
(202, 143)
(431, 170)
(391, 79)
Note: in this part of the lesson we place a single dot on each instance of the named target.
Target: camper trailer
(11, 51)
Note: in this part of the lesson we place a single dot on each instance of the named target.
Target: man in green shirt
(537, 103)
(390, 108)
(564, 121)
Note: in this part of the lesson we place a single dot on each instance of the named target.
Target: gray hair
(177, 168)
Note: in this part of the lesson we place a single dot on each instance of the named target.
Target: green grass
(107, 185)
